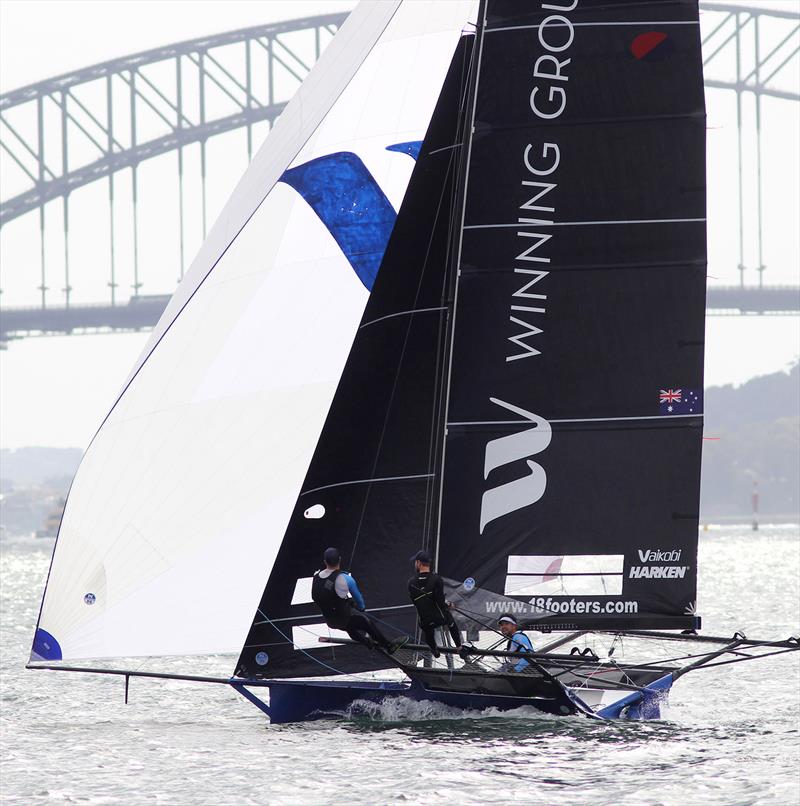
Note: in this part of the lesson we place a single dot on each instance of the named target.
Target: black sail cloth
(574, 426)
(382, 425)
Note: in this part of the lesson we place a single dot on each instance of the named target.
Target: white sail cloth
(180, 504)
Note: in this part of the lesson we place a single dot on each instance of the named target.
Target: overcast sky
(55, 391)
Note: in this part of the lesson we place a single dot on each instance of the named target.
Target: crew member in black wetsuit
(426, 589)
(338, 597)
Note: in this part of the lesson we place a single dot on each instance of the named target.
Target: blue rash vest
(519, 642)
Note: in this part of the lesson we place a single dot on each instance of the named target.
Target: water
(730, 735)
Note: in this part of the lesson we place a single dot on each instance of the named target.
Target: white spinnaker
(179, 506)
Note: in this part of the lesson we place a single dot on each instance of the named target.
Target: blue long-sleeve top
(352, 589)
(519, 642)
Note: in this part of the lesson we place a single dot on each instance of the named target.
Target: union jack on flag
(680, 401)
(670, 396)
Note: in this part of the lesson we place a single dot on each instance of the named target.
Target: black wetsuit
(426, 590)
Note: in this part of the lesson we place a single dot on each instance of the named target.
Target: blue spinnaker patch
(45, 646)
(412, 148)
(344, 194)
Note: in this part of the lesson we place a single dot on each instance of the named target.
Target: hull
(300, 701)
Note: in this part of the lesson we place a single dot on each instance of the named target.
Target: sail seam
(445, 148)
(366, 481)
(402, 313)
(556, 24)
(590, 223)
(579, 420)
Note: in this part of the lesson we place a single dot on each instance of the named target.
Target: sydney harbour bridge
(78, 149)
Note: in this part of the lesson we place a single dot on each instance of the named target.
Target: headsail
(180, 504)
(574, 426)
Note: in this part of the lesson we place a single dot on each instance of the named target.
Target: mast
(455, 267)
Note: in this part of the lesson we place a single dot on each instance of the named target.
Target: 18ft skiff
(456, 302)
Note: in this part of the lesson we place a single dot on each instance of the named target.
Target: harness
(517, 646)
(422, 595)
(335, 610)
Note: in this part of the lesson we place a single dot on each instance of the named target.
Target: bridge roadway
(143, 312)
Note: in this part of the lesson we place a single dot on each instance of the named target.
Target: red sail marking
(644, 43)
(552, 570)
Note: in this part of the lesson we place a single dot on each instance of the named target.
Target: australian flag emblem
(680, 401)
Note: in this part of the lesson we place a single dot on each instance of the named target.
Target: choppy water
(731, 735)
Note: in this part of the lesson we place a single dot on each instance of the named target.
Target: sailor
(338, 597)
(517, 641)
(426, 589)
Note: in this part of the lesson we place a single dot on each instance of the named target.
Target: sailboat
(455, 303)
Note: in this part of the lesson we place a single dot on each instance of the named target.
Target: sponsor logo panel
(575, 606)
(651, 570)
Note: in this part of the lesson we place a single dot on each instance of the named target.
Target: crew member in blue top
(338, 597)
(517, 641)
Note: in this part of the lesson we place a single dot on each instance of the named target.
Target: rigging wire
(307, 654)
(454, 163)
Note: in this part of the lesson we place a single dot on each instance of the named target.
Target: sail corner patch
(45, 646)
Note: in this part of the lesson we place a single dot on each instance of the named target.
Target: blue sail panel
(349, 202)
(411, 148)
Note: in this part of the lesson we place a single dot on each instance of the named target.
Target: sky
(55, 391)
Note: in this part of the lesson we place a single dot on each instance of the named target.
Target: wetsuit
(426, 590)
(519, 642)
(335, 592)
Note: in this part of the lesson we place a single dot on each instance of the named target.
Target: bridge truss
(101, 123)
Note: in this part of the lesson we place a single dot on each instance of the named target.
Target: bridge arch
(114, 151)
(255, 71)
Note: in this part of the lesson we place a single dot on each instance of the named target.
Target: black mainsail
(568, 483)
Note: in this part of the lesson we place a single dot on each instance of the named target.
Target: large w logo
(522, 492)
(350, 203)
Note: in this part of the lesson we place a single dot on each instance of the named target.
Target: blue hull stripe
(643, 704)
